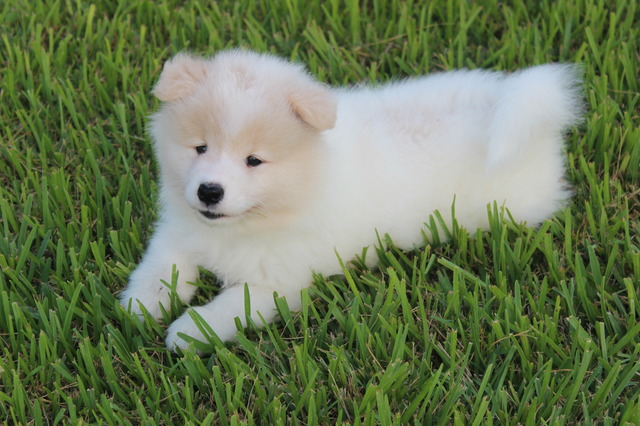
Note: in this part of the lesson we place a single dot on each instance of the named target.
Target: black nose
(210, 193)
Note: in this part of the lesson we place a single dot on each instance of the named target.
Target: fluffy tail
(534, 106)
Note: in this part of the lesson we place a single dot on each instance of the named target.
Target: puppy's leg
(145, 283)
(221, 312)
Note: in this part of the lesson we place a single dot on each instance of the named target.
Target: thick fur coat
(266, 173)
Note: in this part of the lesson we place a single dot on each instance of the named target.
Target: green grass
(514, 326)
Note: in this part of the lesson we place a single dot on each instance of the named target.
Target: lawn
(512, 326)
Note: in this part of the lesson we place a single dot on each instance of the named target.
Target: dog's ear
(180, 77)
(314, 104)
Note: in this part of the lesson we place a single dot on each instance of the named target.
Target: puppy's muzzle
(210, 193)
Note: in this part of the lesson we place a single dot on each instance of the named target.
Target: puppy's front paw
(185, 325)
(223, 327)
(150, 298)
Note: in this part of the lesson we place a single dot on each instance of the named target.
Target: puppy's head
(238, 135)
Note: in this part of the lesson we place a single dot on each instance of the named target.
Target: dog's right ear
(180, 77)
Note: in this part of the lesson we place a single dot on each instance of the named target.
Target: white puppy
(266, 173)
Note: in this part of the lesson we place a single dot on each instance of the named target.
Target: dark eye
(201, 149)
(253, 161)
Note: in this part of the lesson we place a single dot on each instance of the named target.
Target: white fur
(340, 165)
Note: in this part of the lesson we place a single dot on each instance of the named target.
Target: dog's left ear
(180, 77)
(314, 104)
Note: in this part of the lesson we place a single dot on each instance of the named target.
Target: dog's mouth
(225, 217)
(211, 215)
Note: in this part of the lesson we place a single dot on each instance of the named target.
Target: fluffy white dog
(266, 173)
